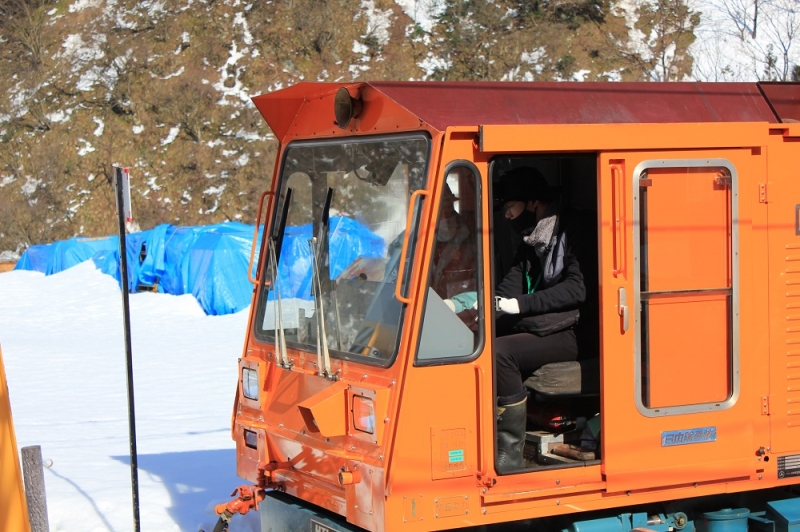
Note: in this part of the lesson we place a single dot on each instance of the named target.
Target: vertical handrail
(404, 250)
(619, 220)
(255, 235)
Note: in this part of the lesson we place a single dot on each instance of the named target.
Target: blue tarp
(209, 262)
(348, 240)
(58, 256)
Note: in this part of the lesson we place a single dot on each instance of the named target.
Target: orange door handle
(623, 310)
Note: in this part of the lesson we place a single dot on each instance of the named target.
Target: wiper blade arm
(280, 336)
(318, 244)
(275, 244)
(323, 356)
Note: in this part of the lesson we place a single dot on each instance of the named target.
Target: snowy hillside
(164, 87)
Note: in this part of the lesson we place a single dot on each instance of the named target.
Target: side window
(687, 249)
(453, 310)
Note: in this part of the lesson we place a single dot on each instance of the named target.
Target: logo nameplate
(689, 436)
(316, 526)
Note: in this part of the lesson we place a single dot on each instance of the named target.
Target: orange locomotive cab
(368, 387)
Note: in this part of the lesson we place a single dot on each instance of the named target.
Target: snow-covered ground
(62, 344)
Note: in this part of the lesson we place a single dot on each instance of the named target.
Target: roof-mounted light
(345, 107)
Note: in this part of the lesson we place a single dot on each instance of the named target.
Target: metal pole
(33, 473)
(123, 272)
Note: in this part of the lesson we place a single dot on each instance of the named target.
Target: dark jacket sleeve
(511, 285)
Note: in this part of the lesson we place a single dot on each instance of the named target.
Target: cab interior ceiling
(574, 174)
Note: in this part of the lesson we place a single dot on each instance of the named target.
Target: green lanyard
(535, 286)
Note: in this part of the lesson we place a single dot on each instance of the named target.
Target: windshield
(343, 209)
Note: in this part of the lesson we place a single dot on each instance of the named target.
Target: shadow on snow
(196, 482)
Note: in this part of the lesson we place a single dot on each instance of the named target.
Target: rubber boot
(511, 436)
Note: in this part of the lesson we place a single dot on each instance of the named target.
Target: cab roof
(445, 104)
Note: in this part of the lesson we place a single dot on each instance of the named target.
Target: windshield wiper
(318, 245)
(275, 245)
(280, 336)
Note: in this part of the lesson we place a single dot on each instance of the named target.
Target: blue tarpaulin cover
(209, 262)
(58, 256)
(348, 240)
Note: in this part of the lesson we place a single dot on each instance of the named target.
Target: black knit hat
(525, 184)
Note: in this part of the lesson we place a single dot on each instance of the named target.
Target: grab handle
(618, 222)
(255, 235)
(481, 422)
(622, 309)
(404, 250)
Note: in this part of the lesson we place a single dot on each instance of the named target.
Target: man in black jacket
(552, 284)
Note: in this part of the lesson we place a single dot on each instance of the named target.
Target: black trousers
(517, 356)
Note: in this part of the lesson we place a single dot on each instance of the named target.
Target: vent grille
(792, 361)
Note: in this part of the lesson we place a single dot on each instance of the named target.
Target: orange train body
(698, 241)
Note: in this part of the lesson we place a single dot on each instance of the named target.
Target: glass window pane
(347, 206)
(685, 286)
(688, 229)
(453, 307)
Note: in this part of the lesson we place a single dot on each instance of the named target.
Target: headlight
(345, 107)
(250, 383)
(363, 414)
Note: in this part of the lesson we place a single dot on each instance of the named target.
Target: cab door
(673, 230)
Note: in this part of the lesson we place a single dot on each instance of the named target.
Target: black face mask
(525, 222)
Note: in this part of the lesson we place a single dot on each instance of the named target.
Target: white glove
(450, 305)
(509, 306)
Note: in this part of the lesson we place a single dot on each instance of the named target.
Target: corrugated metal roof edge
(444, 104)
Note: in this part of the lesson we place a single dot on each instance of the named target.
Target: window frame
(479, 225)
(734, 375)
(413, 251)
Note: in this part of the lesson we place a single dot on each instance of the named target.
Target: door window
(687, 325)
(453, 308)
